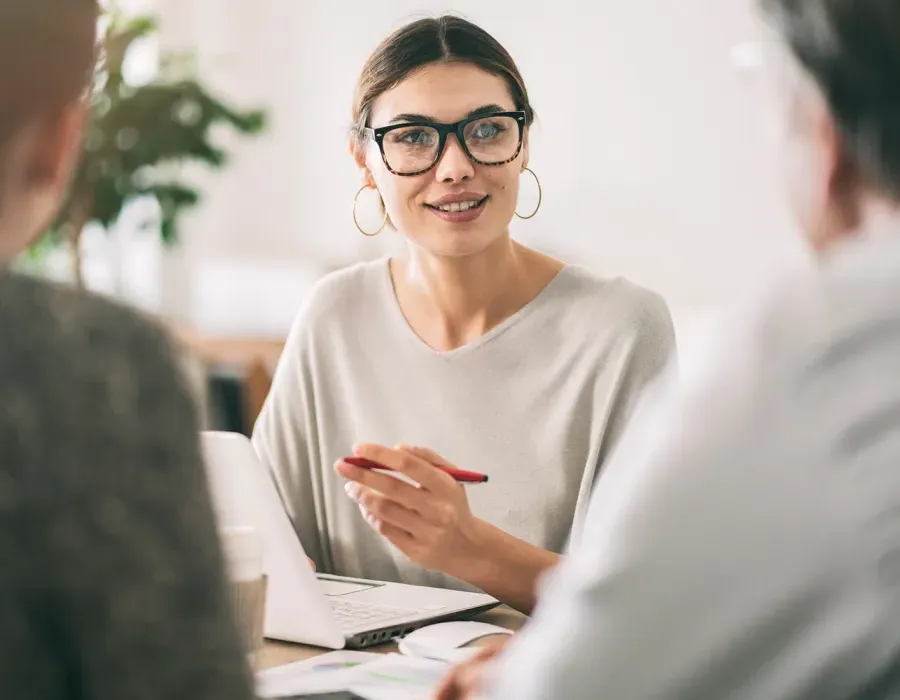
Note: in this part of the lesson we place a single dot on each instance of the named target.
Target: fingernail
(351, 490)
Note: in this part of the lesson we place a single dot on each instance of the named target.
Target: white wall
(647, 145)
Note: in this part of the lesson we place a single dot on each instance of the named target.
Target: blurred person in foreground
(745, 540)
(111, 582)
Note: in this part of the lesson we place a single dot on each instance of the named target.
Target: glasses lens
(492, 139)
(411, 149)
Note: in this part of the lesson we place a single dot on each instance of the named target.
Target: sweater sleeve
(648, 346)
(644, 350)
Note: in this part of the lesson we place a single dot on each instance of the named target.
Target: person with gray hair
(112, 585)
(744, 543)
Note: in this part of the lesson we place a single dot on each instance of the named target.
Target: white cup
(244, 556)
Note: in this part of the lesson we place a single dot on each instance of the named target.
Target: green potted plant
(136, 131)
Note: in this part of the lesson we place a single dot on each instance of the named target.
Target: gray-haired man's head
(843, 151)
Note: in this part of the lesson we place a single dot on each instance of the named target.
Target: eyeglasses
(416, 147)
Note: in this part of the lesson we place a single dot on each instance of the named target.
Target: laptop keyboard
(351, 615)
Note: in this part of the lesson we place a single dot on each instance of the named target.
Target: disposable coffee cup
(244, 557)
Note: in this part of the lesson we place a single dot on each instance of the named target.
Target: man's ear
(845, 183)
(830, 199)
(56, 146)
(830, 154)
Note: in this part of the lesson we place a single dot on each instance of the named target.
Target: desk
(280, 653)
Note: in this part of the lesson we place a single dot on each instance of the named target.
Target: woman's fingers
(429, 456)
(419, 470)
(397, 536)
(390, 486)
(390, 511)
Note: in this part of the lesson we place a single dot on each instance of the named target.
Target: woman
(491, 355)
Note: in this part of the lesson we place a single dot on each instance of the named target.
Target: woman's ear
(365, 177)
(357, 152)
(359, 155)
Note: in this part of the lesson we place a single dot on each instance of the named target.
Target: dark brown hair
(418, 44)
(851, 48)
(47, 55)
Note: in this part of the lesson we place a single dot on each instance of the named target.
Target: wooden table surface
(280, 653)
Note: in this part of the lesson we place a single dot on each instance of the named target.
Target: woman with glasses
(471, 349)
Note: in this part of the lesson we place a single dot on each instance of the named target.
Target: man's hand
(464, 682)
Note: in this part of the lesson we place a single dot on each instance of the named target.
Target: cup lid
(243, 550)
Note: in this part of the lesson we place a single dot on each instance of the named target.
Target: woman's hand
(466, 681)
(430, 523)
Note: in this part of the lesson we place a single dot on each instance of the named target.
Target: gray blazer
(111, 579)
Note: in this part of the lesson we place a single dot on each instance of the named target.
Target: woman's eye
(487, 130)
(413, 137)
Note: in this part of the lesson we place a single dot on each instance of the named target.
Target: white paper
(398, 677)
(291, 678)
(386, 677)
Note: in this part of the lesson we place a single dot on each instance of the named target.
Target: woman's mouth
(459, 212)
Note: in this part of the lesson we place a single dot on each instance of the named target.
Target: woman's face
(417, 204)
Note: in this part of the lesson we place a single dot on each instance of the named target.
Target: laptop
(301, 606)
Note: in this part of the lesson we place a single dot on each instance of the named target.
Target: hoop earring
(356, 220)
(540, 196)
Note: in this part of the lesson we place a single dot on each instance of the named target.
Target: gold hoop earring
(356, 220)
(540, 196)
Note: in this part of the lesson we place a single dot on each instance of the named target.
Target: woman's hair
(851, 48)
(427, 41)
(47, 55)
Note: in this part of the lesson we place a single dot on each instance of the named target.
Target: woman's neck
(449, 302)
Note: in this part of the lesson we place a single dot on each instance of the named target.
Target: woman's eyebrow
(409, 117)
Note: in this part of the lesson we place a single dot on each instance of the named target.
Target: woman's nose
(454, 165)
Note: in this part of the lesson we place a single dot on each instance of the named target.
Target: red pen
(461, 475)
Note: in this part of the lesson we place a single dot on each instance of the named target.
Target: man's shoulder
(50, 328)
(802, 345)
(848, 302)
(97, 377)
(56, 314)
